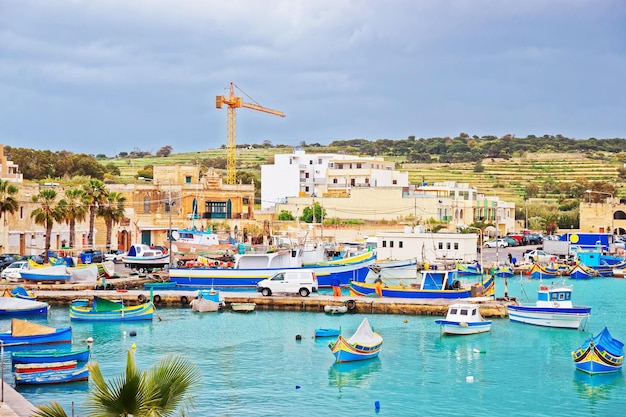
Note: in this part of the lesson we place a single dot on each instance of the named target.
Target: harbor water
(253, 365)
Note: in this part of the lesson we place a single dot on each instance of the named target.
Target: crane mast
(233, 102)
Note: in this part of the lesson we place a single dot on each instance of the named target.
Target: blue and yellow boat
(364, 344)
(108, 310)
(600, 354)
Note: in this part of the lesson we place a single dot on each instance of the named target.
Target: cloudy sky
(106, 76)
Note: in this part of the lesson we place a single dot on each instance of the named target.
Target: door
(145, 237)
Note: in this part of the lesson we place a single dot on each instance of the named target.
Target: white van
(302, 282)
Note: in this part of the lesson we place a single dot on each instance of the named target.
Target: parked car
(501, 243)
(12, 272)
(114, 255)
(511, 241)
(532, 239)
(538, 256)
(7, 259)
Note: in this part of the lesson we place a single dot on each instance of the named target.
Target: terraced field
(506, 178)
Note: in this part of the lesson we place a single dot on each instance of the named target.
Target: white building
(301, 175)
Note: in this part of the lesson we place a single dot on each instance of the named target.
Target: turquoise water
(252, 363)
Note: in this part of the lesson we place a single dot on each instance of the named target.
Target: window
(334, 180)
(384, 243)
(391, 243)
(440, 245)
(358, 166)
(394, 182)
(188, 179)
(456, 245)
(306, 175)
(167, 205)
(448, 245)
(400, 245)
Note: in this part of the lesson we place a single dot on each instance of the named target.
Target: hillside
(506, 178)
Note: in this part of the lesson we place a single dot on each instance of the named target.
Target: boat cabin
(439, 279)
(554, 296)
(463, 313)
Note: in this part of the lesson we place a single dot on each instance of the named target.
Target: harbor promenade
(13, 404)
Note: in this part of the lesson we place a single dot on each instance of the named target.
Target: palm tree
(112, 211)
(46, 214)
(94, 194)
(73, 210)
(8, 204)
(164, 390)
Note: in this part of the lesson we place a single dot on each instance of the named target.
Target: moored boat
(12, 306)
(243, 307)
(23, 368)
(50, 273)
(600, 354)
(52, 377)
(462, 319)
(45, 356)
(251, 268)
(327, 332)
(580, 271)
(335, 309)
(207, 301)
(143, 258)
(433, 284)
(553, 308)
(110, 310)
(25, 333)
(363, 344)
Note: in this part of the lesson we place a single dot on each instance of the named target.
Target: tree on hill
(164, 151)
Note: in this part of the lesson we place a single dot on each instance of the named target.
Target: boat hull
(133, 313)
(16, 307)
(345, 352)
(48, 356)
(566, 318)
(52, 377)
(463, 328)
(243, 307)
(224, 277)
(60, 336)
(601, 354)
(363, 289)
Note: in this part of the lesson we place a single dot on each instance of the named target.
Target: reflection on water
(352, 374)
(597, 387)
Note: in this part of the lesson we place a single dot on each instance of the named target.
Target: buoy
(480, 351)
(298, 337)
(406, 321)
(134, 346)
(469, 379)
(377, 405)
(124, 333)
(90, 340)
(132, 333)
(297, 386)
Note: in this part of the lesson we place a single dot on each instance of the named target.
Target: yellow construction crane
(233, 102)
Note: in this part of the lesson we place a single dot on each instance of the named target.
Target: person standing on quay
(336, 284)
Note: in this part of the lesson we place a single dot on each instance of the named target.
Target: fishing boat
(21, 292)
(243, 307)
(540, 271)
(503, 271)
(469, 269)
(52, 377)
(50, 273)
(327, 332)
(363, 344)
(553, 308)
(194, 240)
(433, 284)
(599, 354)
(250, 268)
(46, 356)
(580, 271)
(13, 306)
(144, 258)
(23, 368)
(25, 333)
(462, 319)
(393, 272)
(109, 310)
(207, 301)
(335, 309)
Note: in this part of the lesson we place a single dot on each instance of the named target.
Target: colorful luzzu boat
(600, 354)
(364, 344)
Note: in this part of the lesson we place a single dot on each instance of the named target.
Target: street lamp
(612, 206)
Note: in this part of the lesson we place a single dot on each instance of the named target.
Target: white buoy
(469, 379)
(90, 340)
